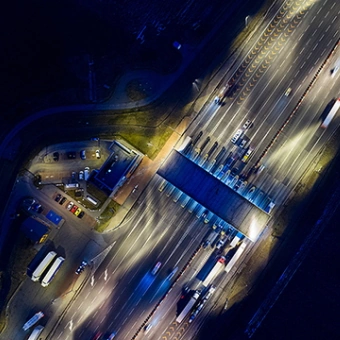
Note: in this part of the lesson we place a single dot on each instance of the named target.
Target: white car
(70, 205)
(98, 154)
(156, 268)
(147, 328)
(288, 91)
(247, 124)
(237, 136)
(335, 70)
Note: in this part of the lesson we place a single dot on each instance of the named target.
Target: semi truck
(43, 265)
(219, 98)
(36, 332)
(334, 109)
(214, 271)
(33, 320)
(200, 306)
(188, 306)
(236, 240)
(210, 239)
(207, 267)
(52, 271)
(236, 256)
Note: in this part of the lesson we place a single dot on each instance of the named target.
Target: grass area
(105, 218)
(101, 196)
(21, 256)
(149, 141)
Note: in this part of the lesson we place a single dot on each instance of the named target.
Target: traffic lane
(304, 146)
(168, 306)
(164, 319)
(161, 283)
(259, 96)
(127, 269)
(307, 120)
(161, 287)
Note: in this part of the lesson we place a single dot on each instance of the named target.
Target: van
(92, 200)
(86, 173)
(71, 185)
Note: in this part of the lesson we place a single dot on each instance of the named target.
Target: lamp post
(246, 20)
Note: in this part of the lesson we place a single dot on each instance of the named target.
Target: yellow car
(77, 212)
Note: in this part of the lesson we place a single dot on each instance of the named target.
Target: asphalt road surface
(119, 291)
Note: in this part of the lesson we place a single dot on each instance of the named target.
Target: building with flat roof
(34, 230)
(117, 168)
(214, 195)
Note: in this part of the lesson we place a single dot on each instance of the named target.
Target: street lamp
(246, 20)
(195, 84)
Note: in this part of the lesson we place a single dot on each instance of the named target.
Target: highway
(119, 291)
(123, 291)
(288, 54)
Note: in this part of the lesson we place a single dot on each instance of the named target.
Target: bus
(52, 271)
(36, 332)
(331, 114)
(43, 265)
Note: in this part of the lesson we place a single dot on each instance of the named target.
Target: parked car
(81, 175)
(83, 154)
(77, 212)
(86, 173)
(56, 156)
(69, 206)
(81, 267)
(58, 198)
(71, 155)
(98, 154)
(63, 200)
(81, 214)
(74, 209)
(37, 207)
